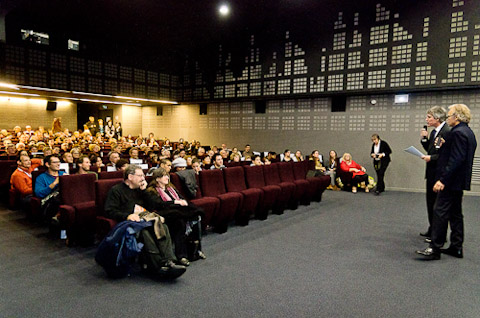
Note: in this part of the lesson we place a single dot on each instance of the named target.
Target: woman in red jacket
(359, 172)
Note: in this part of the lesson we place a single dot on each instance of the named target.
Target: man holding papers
(436, 117)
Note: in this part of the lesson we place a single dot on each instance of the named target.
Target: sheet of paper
(414, 151)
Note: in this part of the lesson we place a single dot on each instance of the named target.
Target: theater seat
(77, 211)
(287, 198)
(302, 194)
(212, 185)
(271, 193)
(235, 182)
(317, 185)
(110, 174)
(103, 223)
(210, 205)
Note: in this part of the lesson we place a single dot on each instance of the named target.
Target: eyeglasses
(138, 175)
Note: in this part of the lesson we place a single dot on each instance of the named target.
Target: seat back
(175, 180)
(254, 176)
(300, 170)
(101, 191)
(270, 173)
(110, 174)
(234, 179)
(77, 188)
(285, 171)
(211, 182)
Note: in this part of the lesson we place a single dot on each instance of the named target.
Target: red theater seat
(110, 174)
(103, 223)
(272, 177)
(285, 170)
(77, 211)
(235, 182)
(317, 184)
(212, 185)
(271, 193)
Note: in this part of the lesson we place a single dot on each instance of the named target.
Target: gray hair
(462, 112)
(130, 170)
(438, 113)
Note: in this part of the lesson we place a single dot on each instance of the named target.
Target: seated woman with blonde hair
(183, 218)
(359, 174)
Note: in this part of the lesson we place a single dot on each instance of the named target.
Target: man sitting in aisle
(21, 179)
(46, 188)
(128, 201)
(217, 162)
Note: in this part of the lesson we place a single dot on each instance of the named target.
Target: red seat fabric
(212, 185)
(302, 194)
(110, 174)
(235, 182)
(317, 185)
(103, 223)
(210, 205)
(288, 188)
(77, 211)
(271, 193)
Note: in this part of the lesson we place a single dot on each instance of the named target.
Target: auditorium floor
(352, 255)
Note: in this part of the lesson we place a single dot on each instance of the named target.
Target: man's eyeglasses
(138, 175)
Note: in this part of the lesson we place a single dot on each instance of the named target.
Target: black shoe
(429, 254)
(377, 192)
(452, 251)
(170, 270)
(425, 234)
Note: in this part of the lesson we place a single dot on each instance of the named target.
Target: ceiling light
(6, 85)
(224, 9)
(15, 93)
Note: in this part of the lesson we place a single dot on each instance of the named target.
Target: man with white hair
(453, 175)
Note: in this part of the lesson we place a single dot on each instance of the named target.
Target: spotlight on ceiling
(224, 10)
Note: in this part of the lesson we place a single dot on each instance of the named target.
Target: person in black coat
(453, 175)
(435, 118)
(381, 158)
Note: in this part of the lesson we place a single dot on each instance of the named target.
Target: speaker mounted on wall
(51, 105)
(203, 108)
(260, 106)
(339, 103)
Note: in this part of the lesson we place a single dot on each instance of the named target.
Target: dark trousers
(431, 197)
(359, 179)
(447, 208)
(380, 175)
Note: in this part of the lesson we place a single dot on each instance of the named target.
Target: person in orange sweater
(359, 172)
(21, 179)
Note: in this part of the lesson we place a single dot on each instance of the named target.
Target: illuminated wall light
(44, 89)
(64, 103)
(224, 10)
(401, 99)
(6, 85)
(146, 100)
(22, 94)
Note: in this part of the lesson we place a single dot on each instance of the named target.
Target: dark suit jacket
(455, 161)
(429, 146)
(384, 148)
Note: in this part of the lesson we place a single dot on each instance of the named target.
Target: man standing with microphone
(435, 118)
(454, 174)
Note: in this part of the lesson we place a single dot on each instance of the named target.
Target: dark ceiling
(163, 32)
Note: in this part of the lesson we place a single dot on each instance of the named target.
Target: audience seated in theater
(217, 162)
(75, 153)
(266, 161)
(113, 157)
(207, 160)
(247, 153)
(183, 219)
(46, 188)
(97, 163)
(196, 165)
(272, 156)
(130, 201)
(287, 155)
(236, 157)
(21, 178)
(359, 173)
(133, 152)
(122, 164)
(298, 156)
(179, 164)
(331, 166)
(11, 151)
(234, 152)
(257, 161)
(318, 160)
(67, 157)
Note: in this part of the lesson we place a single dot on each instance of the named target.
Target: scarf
(170, 196)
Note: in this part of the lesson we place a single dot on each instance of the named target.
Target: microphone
(425, 139)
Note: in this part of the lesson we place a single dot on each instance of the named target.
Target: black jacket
(384, 148)
(455, 161)
(429, 146)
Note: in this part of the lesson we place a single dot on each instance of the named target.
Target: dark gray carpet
(351, 255)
